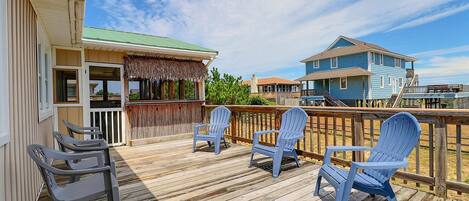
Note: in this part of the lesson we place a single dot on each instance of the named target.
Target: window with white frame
(381, 61)
(4, 99)
(43, 74)
(389, 80)
(373, 60)
(343, 83)
(397, 62)
(316, 64)
(401, 82)
(382, 81)
(334, 61)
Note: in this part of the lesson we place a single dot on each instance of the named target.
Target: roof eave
(149, 49)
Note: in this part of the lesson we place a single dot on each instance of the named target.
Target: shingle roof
(272, 80)
(359, 46)
(341, 72)
(140, 39)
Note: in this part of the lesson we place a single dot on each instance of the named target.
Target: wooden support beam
(171, 90)
(441, 159)
(234, 121)
(182, 90)
(358, 138)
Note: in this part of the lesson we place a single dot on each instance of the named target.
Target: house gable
(340, 42)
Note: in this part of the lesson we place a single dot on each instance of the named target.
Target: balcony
(170, 171)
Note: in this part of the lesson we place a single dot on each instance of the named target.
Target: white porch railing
(109, 120)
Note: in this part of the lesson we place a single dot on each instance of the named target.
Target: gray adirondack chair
(71, 145)
(291, 129)
(99, 181)
(73, 129)
(219, 121)
(399, 135)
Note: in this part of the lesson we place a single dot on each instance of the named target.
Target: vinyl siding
(22, 177)
(353, 60)
(355, 87)
(386, 71)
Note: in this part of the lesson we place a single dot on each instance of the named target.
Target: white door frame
(86, 91)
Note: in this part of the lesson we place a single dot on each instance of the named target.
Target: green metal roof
(139, 39)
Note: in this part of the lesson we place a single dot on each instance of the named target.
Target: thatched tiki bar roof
(156, 68)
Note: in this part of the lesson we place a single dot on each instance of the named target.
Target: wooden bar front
(148, 119)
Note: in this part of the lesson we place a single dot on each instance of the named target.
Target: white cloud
(432, 16)
(263, 35)
(445, 70)
(440, 52)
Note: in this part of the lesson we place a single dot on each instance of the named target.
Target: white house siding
(22, 178)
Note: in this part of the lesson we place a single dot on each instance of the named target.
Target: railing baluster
(431, 152)
(319, 133)
(372, 132)
(458, 155)
(417, 160)
(334, 132)
(311, 134)
(344, 133)
(326, 132)
(112, 127)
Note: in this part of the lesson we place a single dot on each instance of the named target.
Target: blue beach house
(354, 73)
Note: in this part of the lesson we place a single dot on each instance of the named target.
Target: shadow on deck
(170, 171)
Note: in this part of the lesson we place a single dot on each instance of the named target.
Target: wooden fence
(437, 161)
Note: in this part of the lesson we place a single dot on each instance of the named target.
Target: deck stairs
(333, 101)
(395, 100)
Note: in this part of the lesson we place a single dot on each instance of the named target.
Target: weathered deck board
(170, 171)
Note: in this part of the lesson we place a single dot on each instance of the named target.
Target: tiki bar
(163, 96)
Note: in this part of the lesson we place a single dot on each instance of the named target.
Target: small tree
(225, 89)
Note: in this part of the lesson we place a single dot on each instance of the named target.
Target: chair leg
(194, 143)
(217, 146)
(113, 195)
(252, 157)
(391, 195)
(318, 186)
(296, 158)
(224, 142)
(277, 163)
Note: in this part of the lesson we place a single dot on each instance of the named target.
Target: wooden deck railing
(437, 161)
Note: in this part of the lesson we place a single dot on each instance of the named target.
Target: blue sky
(270, 37)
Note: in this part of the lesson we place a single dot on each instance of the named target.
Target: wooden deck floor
(170, 171)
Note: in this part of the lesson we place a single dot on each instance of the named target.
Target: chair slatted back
(72, 128)
(398, 136)
(292, 127)
(40, 156)
(219, 117)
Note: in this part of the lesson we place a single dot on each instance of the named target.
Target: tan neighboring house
(276, 89)
(54, 69)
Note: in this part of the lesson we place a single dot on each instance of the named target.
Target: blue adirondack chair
(291, 129)
(219, 121)
(399, 135)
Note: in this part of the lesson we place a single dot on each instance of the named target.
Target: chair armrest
(57, 171)
(58, 155)
(380, 165)
(200, 125)
(97, 133)
(259, 133)
(332, 149)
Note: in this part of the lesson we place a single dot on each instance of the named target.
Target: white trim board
(144, 48)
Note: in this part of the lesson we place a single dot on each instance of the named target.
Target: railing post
(234, 121)
(441, 160)
(358, 138)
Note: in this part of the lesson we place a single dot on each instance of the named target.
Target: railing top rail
(452, 115)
